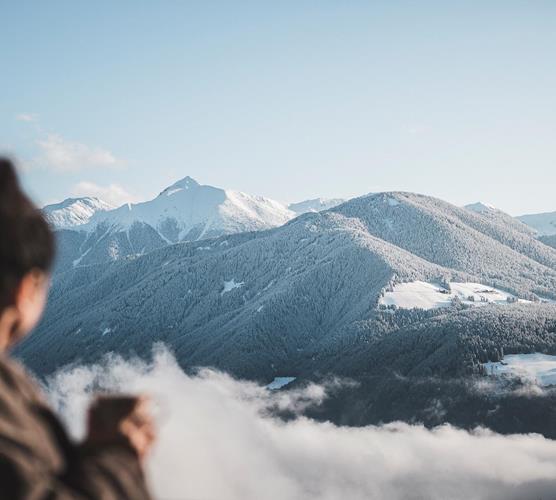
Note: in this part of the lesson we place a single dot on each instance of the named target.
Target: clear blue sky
(287, 99)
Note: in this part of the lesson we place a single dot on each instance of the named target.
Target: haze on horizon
(290, 101)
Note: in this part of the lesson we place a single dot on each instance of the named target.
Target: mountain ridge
(294, 288)
(73, 212)
(323, 296)
(543, 223)
(183, 211)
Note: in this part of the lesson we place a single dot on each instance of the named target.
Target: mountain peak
(480, 207)
(185, 183)
(188, 211)
(74, 211)
(314, 205)
(88, 200)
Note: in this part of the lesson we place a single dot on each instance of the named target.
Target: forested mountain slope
(447, 343)
(260, 302)
(320, 296)
(244, 302)
(500, 217)
(460, 239)
(549, 240)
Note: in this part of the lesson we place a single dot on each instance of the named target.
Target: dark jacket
(39, 461)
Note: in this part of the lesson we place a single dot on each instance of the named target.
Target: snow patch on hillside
(423, 295)
(174, 191)
(77, 261)
(279, 382)
(537, 368)
(230, 285)
(393, 202)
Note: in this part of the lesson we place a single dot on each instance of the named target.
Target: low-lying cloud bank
(218, 440)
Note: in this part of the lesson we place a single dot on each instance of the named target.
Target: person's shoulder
(15, 379)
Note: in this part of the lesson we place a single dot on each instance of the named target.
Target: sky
(290, 100)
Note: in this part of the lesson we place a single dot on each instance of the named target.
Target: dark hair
(26, 241)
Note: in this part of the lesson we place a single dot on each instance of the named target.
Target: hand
(116, 418)
(139, 428)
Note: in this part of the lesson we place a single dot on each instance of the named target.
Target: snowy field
(279, 382)
(536, 367)
(423, 295)
(231, 285)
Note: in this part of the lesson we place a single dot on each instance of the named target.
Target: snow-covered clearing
(279, 382)
(230, 285)
(393, 202)
(423, 295)
(536, 367)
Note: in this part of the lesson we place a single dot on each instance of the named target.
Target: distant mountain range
(406, 294)
(188, 211)
(91, 231)
(232, 284)
(544, 224)
(315, 205)
(204, 209)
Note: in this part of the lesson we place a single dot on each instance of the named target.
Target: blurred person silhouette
(38, 459)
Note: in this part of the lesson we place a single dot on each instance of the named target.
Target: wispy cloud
(217, 439)
(114, 194)
(26, 117)
(59, 154)
(62, 155)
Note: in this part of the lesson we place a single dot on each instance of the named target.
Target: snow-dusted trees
(309, 295)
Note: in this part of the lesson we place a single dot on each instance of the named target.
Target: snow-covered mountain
(544, 224)
(404, 293)
(315, 205)
(184, 211)
(245, 302)
(188, 211)
(74, 211)
(481, 207)
(457, 238)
